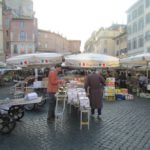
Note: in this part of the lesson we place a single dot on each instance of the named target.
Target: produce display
(109, 89)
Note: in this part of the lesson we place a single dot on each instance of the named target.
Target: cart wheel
(43, 101)
(38, 105)
(29, 106)
(16, 112)
(7, 124)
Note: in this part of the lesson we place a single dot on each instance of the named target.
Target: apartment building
(19, 27)
(121, 45)
(53, 42)
(138, 25)
(2, 56)
(105, 43)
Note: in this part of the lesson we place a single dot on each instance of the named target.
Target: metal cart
(12, 110)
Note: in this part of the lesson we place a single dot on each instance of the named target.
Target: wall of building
(105, 43)
(2, 56)
(121, 45)
(53, 42)
(138, 25)
(20, 8)
(19, 28)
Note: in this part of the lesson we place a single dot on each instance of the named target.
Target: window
(147, 3)
(141, 24)
(140, 41)
(140, 10)
(134, 43)
(129, 18)
(7, 45)
(22, 49)
(7, 22)
(134, 27)
(46, 45)
(129, 30)
(129, 45)
(117, 42)
(7, 33)
(147, 18)
(134, 14)
(22, 25)
(105, 50)
(147, 35)
(22, 35)
(148, 49)
(30, 48)
(15, 49)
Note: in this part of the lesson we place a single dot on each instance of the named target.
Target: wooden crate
(110, 98)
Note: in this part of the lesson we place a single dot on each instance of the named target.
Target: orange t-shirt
(52, 82)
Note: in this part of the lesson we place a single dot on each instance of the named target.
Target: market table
(77, 97)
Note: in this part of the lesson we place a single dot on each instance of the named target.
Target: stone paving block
(124, 125)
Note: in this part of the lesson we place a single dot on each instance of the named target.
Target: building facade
(138, 25)
(2, 56)
(53, 42)
(19, 27)
(105, 43)
(121, 45)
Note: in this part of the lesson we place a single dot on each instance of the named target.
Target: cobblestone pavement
(124, 125)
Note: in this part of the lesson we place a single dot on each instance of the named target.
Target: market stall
(35, 61)
(138, 61)
(77, 98)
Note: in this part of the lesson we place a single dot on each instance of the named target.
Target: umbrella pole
(36, 74)
(147, 70)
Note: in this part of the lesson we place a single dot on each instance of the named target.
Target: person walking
(52, 88)
(94, 86)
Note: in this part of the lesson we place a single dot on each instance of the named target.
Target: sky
(77, 19)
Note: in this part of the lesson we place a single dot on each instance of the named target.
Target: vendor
(142, 81)
(52, 88)
(122, 80)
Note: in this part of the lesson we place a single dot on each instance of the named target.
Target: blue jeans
(52, 104)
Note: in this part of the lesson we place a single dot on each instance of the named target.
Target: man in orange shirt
(52, 88)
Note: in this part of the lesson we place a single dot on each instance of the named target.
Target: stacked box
(109, 90)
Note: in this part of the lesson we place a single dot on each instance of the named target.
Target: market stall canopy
(2, 64)
(35, 59)
(139, 59)
(90, 60)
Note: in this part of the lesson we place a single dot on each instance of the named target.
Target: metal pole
(147, 70)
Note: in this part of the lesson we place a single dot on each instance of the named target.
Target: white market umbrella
(140, 59)
(91, 60)
(137, 60)
(35, 59)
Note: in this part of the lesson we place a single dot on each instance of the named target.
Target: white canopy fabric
(35, 59)
(90, 60)
(2, 64)
(139, 59)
